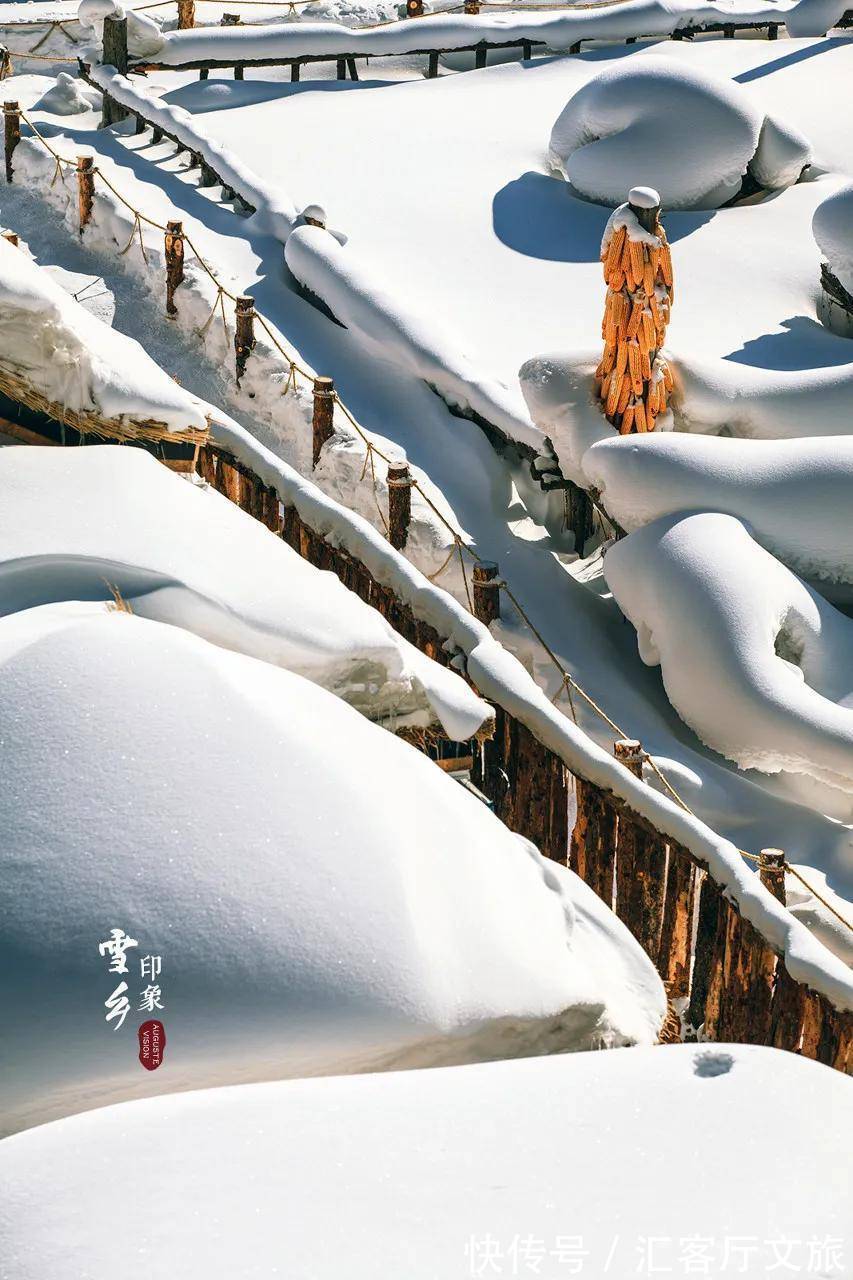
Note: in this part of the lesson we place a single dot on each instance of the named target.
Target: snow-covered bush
(690, 134)
(68, 97)
(753, 660)
(794, 494)
(322, 897)
(832, 226)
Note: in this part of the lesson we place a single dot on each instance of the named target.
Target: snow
(77, 523)
(815, 17)
(67, 97)
(413, 1174)
(793, 494)
(461, 31)
(322, 896)
(689, 133)
(758, 664)
(833, 230)
(74, 359)
(144, 38)
(583, 627)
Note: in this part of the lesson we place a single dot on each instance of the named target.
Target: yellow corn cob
(614, 251)
(616, 279)
(666, 264)
(608, 359)
(667, 378)
(648, 329)
(627, 421)
(624, 396)
(643, 342)
(610, 329)
(639, 416)
(605, 385)
(613, 394)
(634, 368)
(645, 364)
(636, 317)
(621, 358)
(654, 262)
(648, 278)
(638, 260)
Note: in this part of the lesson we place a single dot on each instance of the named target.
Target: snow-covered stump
(11, 133)
(322, 426)
(186, 14)
(633, 378)
(174, 253)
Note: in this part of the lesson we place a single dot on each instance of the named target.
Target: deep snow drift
(758, 664)
(78, 522)
(595, 1164)
(690, 134)
(74, 359)
(833, 229)
(794, 494)
(322, 896)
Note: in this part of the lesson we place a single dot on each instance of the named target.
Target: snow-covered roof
(75, 360)
(323, 898)
(76, 520)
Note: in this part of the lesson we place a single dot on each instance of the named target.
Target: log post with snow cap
(85, 189)
(114, 55)
(486, 585)
(633, 378)
(414, 8)
(772, 872)
(174, 263)
(399, 503)
(244, 332)
(323, 427)
(11, 133)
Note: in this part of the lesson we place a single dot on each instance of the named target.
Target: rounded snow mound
(144, 37)
(832, 226)
(814, 17)
(321, 896)
(67, 97)
(754, 661)
(652, 121)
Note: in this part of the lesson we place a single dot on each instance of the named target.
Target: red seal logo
(152, 1044)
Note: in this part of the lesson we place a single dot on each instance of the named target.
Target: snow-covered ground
(717, 1161)
(483, 289)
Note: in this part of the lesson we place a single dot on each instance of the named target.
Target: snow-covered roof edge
(502, 679)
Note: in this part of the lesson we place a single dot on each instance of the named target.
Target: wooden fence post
(414, 8)
(399, 503)
(114, 55)
(487, 591)
(472, 7)
(480, 52)
(432, 65)
(324, 415)
(85, 188)
(677, 924)
(230, 20)
(12, 237)
(186, 14)
(11, 133)
(244, 332)
(772, 872)
(174, 263)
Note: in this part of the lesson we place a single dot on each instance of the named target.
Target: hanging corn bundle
(634, 379)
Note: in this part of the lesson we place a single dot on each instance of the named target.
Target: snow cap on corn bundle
(633, 378)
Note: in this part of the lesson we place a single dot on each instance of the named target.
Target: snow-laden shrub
(68, 97)
(691, 135)
(753, 660)
(832, 226)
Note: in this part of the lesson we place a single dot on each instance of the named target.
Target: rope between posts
(459, 545)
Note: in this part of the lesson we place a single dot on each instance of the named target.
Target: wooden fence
(730, 979)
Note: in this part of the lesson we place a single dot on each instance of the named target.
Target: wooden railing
(731, 981)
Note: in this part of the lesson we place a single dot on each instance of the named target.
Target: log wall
(729, 979)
